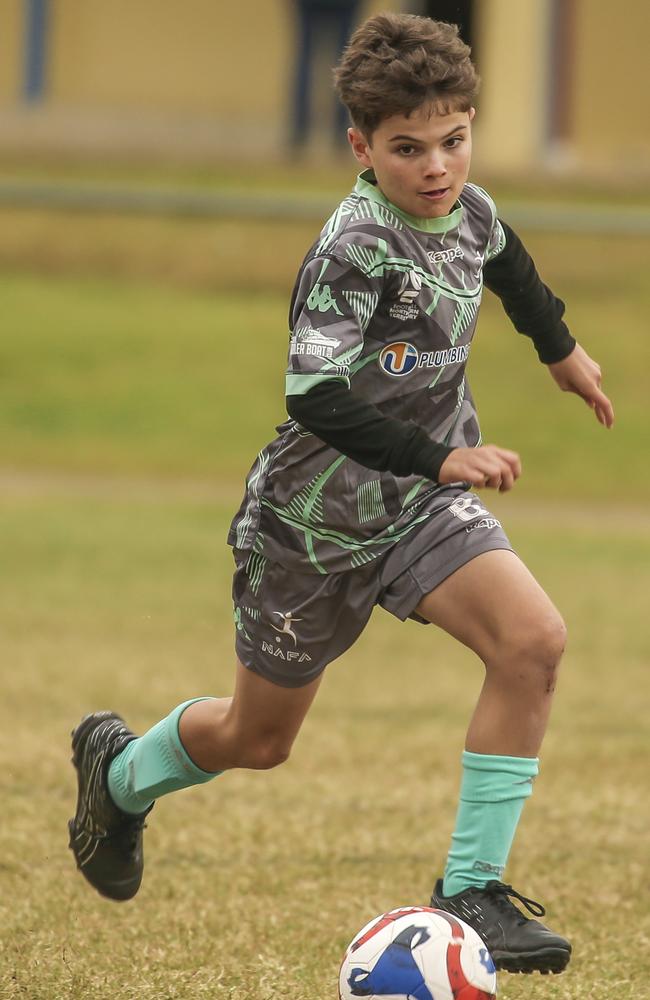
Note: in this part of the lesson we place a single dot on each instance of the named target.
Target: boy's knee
(539, 641)
(266, 752)
(549, 639)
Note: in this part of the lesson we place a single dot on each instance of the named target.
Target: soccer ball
(417, 953)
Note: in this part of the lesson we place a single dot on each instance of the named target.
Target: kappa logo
(485, 522)
(321, 298)
(444, 256)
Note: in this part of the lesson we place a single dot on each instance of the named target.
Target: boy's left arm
(537, 313)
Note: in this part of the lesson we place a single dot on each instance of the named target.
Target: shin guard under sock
(153, 765)
(492, 795)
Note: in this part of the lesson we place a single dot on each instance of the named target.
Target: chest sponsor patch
(401, 358)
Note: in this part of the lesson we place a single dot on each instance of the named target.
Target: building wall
(512, 104)
(137, 75)
(198, 57)
(202, 75)
(11, 48)
(611, 102)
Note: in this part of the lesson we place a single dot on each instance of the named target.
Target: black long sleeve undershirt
(361, 431)
(529, 303)
(358, 429)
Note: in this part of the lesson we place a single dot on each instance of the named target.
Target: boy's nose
(435, 166)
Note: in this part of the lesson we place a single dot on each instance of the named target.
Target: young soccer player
(365, 496)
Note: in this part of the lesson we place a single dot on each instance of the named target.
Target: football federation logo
(287, 620)
(399, 358)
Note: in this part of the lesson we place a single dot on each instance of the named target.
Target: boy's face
(421, 162)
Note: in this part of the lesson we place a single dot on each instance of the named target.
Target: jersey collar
(366, 187)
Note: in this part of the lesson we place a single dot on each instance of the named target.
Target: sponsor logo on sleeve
(308, 341)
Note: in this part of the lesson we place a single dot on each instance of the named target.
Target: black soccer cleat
(106, 842)
(515, 942)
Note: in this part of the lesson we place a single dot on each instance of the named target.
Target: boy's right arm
(361, 431)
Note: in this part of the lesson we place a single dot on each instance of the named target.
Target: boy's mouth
(435, 194)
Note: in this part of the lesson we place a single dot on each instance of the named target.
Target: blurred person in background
(323, 28)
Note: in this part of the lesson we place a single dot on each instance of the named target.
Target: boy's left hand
(578, 373)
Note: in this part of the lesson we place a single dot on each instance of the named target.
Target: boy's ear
(360, 146)
(471, 113)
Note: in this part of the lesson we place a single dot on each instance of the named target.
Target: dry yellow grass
(114, 591)
(116, 594)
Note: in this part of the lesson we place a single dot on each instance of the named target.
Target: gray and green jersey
(388, 304)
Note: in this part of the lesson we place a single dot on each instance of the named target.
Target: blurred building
(564, 80)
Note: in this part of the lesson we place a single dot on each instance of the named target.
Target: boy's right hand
(488, 465)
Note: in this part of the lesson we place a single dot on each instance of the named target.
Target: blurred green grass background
(121, 375)
(141, 367)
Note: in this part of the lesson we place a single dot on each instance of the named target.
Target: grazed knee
(532, 650)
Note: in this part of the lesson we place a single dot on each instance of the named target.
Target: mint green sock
(154, 765)
(492, 795)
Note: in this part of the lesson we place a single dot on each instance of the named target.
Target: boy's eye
(406, 149)
(453, 141)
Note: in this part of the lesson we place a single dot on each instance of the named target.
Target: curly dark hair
(395, 63)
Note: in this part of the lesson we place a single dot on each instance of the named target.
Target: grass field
(129, 413)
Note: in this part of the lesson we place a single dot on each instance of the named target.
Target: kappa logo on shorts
(287, 619)
(485, 522)
(467, 508)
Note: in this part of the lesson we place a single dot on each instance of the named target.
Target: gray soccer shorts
(290, 625)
